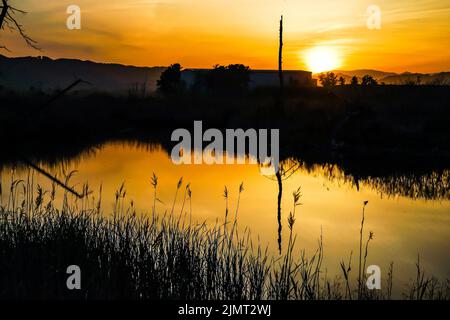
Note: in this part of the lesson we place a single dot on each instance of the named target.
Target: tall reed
(133, 256)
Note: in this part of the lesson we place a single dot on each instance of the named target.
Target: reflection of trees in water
(70, 156)
(422, 184)
(416, 183)
(54, 158)
(58, 167)
(431, 186)
(434, 185)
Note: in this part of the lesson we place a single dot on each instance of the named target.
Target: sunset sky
(414, 34)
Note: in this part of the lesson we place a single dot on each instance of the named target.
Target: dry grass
(159, 256)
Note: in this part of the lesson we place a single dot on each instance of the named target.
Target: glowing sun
(320, 59)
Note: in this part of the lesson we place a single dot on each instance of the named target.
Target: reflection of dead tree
(8, 18)
(282, 173)
(280, 195)
(285, 171)
(279, 173)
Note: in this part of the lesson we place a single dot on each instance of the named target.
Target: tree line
(330, 79)
(234, 78)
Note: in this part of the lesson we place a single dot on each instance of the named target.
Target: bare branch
(32, 43)
(7, 18)
(16, 10)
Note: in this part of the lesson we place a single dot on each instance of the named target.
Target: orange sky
(414, 34)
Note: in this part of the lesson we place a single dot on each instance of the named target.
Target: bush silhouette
(170, 81)
(368, 80)
(231, 79)
(328, 80)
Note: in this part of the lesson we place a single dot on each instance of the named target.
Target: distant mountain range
(46, 74)
(396, 78)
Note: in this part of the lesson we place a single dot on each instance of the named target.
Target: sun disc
(321, 59)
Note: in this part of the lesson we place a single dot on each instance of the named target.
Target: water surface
(408, 216)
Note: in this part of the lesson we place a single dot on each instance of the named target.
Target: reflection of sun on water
(320, 59)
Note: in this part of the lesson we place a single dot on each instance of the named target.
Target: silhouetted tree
(170, 80)
(368, 80)
(230, 79)
(354, 81)
(8, 18)
(328, 80)
(341, 80)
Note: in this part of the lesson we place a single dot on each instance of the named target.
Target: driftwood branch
(61, 93)
(44, 172)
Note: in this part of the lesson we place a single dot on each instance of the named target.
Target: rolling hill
(46, 74)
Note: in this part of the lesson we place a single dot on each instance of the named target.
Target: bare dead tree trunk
(280, 56)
